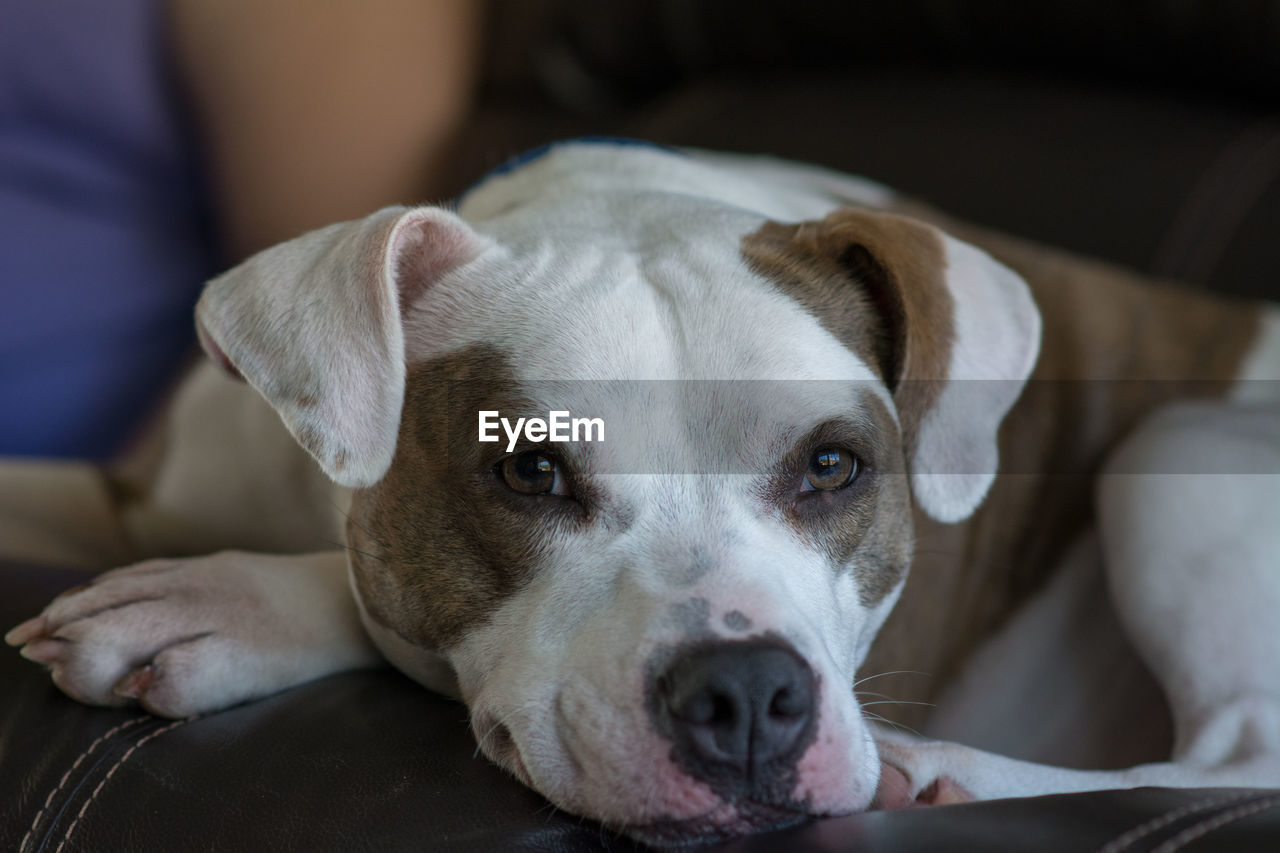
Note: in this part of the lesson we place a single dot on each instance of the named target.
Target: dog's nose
(737, 710)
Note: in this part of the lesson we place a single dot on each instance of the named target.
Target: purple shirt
(104, 241)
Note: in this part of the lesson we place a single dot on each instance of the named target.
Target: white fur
(565, 657)
(997, 340)
(213, 631)
(599, 604)
(1187, 509)
(606, 232)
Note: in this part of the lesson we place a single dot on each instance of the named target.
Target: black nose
(737, 711)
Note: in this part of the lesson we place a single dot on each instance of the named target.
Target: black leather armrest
(371, 761)
(361, 761)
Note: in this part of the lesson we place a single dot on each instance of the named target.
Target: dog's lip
(708, 828)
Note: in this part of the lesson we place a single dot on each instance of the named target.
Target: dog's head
(659, 630)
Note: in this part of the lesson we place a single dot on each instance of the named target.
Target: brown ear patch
(877, 283)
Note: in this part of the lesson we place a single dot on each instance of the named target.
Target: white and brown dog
(661, 630)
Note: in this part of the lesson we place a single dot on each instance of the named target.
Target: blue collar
(513, 163)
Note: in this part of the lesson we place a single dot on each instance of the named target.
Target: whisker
(364, 528)
(551, 811)
(901, 727)
(899, 702)
(347, 547)
(879, 719)
(480, 740)
(865, 679)
(860, 693)
(365, 554)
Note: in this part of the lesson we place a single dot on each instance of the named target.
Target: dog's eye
(830, 468)
(532, 473)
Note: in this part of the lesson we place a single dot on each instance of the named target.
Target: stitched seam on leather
(22, 846)
(120, 761)
(87, 775)
(1205, 827)
(1142, 830)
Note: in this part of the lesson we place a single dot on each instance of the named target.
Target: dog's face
(660, 629)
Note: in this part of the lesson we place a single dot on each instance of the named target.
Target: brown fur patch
(877, 283)
(1116, 346)
(886, 551)
(440, 542)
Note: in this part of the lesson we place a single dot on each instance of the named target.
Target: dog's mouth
(727, 822)
(728, 741)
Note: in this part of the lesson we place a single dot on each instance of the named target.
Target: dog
(804, 386)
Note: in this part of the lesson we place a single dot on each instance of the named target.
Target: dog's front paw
(918, 774)
(161, 632)
(188, 636)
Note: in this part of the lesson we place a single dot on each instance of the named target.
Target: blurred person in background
(146, 145)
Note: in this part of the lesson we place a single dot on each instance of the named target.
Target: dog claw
(46, 651)
(135, 683)
(26, 632)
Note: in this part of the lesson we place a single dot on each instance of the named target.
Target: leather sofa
(370, 761)
(1150, 141)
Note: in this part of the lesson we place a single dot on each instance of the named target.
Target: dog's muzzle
(739, 715)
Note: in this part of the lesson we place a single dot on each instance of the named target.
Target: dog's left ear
(953, 333)
(315, 325)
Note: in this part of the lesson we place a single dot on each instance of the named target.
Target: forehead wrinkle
(656, 301)
(457, 311)
(622, 329)
(667, 303)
